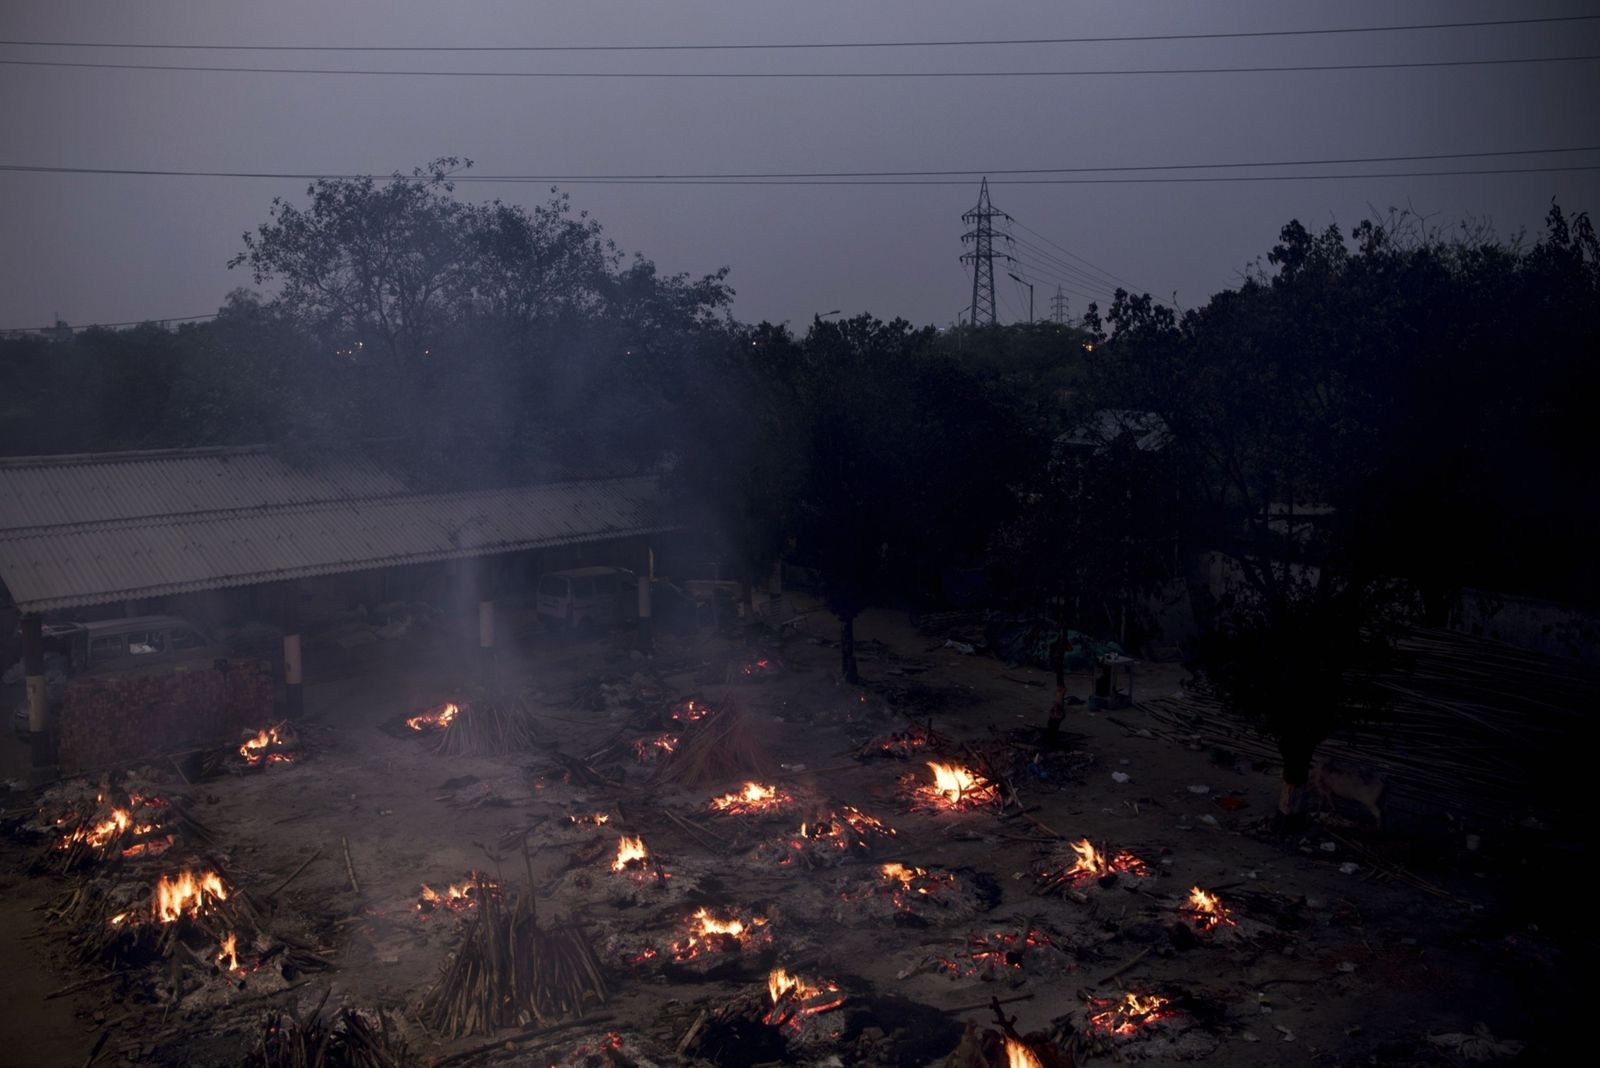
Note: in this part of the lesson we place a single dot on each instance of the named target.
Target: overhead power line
(823, 74)
(797, 46)
(901, 177)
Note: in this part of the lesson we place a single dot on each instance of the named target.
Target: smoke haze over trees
(1379, 406)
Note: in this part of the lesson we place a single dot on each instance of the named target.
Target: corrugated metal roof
(239, 535)
(45, 491)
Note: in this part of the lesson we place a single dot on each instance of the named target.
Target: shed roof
(82, 530)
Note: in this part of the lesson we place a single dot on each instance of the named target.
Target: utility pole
(981, 236)
(1058, 307)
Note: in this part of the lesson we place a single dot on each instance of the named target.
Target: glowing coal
(690, 711)
(753, 799)
(1127, 1014)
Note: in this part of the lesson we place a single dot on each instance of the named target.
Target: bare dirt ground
(1337, 956)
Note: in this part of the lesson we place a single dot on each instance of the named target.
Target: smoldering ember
(473, 647)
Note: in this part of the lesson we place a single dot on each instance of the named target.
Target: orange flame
(754, 797)
(956, 787)
(896, 871)
(630, 851)
(1207, 909)
(253, 749)
(436, 720)
(1018, 1055)
(802, 998)
(703, 927)
(1090, 860)
(185, 892)
(458, 896)
(230, 952)
(597, 819)
(1132, 1012)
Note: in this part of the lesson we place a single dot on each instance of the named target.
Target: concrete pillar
(646, 576)
(39, 735)
(487, 586)
(294, 700)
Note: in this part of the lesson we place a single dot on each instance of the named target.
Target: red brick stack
(121, 718)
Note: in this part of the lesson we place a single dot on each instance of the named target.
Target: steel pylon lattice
(982, 255)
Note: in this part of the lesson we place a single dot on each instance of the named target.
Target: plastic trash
(1199, 789)
(1121, 776)
(964, 648)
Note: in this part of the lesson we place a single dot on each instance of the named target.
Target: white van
(586, 598)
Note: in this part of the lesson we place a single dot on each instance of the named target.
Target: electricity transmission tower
(1058, 307)
(982, 256)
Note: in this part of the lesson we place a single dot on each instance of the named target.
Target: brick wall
(120, 718)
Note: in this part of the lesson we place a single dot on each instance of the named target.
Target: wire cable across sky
(1221, 35)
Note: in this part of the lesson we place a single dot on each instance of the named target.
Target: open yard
(894, 912)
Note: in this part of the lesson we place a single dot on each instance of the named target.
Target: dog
(1333, 780)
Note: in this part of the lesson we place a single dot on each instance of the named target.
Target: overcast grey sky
(106, 248)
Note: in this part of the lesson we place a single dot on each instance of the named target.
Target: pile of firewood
(511, 972)
(717, 749)
(115, 923)
(350, 1041)
(487, 725)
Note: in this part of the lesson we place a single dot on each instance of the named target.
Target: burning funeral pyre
(844, 833)
(953, 788)
(487, 724)
(270, 745)
(915, 896)
(707, 935)
(1011, 956)
(634, 861)
(1128, 1014)
(1206, 911)
(457, 897)
(1085, 863)
(653, 747)
(435, 719)
(753, 799)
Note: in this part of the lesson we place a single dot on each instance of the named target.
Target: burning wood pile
(109, 826)
(1012, 956)
(1205, 911)
(635, 862)
(1084, 863)
(753, 799)
(511, 972)
(655, 747)
(457, 897)
(914, 896)
(484, 725)
(278, 744)
(840, 835)
(1002, 1046)
(193, 911)
(716, 747)
(952, 788)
